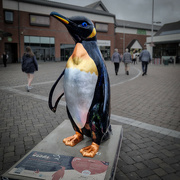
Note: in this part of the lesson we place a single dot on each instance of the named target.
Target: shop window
(43, 47)
(105, 50)
(9, 16)
(66, 51)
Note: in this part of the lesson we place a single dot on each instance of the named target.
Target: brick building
(27, 22)
(132, 35)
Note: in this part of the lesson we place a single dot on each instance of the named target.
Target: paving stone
(171, 176)
(148, 156)
(154, 177)
(9, 149)
(121, 175)
(150, 164)
(133, 176)
(160, 172)
(137, 158)
(171, 160)
(11, 159)
(127, 159)
(140, 165)
(9, 154)
(157, 160)
(167, 168)
(153, 99)
(128, 168)
(176, 166)
(144, 172)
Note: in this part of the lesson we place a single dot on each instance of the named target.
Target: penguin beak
(61, 18)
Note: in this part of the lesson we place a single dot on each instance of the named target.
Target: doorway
(11, 50)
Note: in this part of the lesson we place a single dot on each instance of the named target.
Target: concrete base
(108, 151)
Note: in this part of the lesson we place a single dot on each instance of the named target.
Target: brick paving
(153, 99)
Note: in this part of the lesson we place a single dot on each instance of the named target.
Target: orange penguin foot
(73, 140)
(90, 151)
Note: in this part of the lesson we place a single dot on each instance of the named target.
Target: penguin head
(80, 27)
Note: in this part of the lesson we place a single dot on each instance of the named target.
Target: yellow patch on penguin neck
(81, 60)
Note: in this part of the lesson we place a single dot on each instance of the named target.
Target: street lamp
(153, 22)
(152, 28)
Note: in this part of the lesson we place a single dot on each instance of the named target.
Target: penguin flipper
(106, 91)
(106, 103)
(55, 94)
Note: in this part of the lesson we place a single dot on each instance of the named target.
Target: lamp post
(152, 28)
(123, 37)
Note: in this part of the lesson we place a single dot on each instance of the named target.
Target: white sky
(165, 11)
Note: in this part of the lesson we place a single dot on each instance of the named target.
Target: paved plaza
(147, 107)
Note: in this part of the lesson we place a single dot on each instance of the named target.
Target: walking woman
(116, 58)
(29, 65)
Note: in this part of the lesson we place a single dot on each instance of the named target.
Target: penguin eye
(84, 24)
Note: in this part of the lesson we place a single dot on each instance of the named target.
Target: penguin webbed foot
(90, 151)
(73, 140)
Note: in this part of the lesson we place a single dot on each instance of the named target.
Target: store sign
(141, 32)
(101, 27)
(103, 42)
(39, 20)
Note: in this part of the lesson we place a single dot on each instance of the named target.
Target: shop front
(105, 48)
(43, 47)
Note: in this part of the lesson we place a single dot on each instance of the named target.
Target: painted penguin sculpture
(86, 86)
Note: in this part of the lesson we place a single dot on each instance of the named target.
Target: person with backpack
(29, 65)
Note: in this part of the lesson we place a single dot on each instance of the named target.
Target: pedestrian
(127, 60)
(134, 57)
(4, 57)
(145, 58)
(29, 65)
(116, 58)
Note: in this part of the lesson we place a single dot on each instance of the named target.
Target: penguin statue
(85, 85)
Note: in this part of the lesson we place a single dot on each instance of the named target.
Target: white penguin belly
(79, 87)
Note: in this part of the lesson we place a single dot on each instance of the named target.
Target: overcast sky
(165, 11)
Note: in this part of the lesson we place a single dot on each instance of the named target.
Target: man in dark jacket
(145, 58)
(5, 57)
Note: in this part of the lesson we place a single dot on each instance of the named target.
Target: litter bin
(165, 61)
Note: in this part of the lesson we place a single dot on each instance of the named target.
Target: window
(8, 15)
(101, 27)
(66, 51)
(43, 47)
(38, 20)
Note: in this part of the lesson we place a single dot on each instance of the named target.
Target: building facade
(27, 23)
(132, 35)
(166, 43)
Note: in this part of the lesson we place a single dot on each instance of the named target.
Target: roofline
(156, 28)
(132, 27)
(67, 6)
